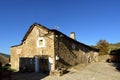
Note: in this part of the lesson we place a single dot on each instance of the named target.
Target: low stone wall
(103, 58)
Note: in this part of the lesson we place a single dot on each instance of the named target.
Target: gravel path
(94, 71)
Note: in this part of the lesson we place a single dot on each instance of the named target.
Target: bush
(103, 46)
(7, 67)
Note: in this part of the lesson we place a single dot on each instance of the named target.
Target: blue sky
(91, 20)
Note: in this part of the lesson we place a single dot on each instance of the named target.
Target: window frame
(38, 42)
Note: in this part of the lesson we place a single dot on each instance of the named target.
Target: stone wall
(71, 52)
(29, 48)
(103, 58)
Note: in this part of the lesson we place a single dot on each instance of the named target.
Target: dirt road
(94, 71)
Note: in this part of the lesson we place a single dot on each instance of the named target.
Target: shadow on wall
(72, 48)
(63, 62)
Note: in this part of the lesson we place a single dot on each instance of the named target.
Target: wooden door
(43, 63)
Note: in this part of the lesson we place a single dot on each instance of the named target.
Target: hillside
(4, 58)
(111, 46)
(114, 46)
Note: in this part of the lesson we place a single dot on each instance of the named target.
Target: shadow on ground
(28, 76)
(116, 65)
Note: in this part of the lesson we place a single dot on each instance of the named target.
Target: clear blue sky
(91, 20)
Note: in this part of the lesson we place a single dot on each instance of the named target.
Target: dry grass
(4, 59)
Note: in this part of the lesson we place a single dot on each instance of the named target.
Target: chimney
(72, 35)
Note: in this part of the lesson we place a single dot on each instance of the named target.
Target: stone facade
(72, 52)
(43, 49)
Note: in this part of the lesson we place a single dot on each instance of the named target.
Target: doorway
(26, 64)
(43, 63)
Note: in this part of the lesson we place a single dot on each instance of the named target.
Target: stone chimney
(72, 35)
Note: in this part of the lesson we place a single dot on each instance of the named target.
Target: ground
(28, 76)
(93, 71)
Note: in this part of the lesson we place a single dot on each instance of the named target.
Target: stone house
(45, 50)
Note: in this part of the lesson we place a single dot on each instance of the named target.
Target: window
(41, 42)
(73, 46)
